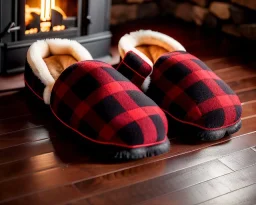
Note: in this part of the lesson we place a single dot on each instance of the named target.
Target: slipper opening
(48, 58)
(149, 45)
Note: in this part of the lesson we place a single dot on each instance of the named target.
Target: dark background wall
(235, 17)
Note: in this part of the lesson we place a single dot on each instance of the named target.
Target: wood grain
(244, 196)
(249, 109)
(236, 73)
(39, 181)
(209, 189)
(171, 165)
(25, 151)
(24, 136)
(19, 123)
(240, 160)
(225, 62)
(247, 95)
(12, 98)
(149, 188)
(243, 85)
(17, 110)
(247, 126)
(52, 196)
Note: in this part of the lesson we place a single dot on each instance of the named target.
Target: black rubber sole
(142, 152)
(218, 134)
(86, 147)
(191, 134)
(108, 152)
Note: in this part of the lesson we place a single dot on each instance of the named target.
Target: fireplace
(24, 21)
(47, 17)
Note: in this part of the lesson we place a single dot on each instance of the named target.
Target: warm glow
(45, 16)
(31, 31)
(58, 28)
(60, 11)
(53, 4)
(45, 10)
(45, 26)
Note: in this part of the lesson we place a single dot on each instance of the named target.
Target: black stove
(24, 21)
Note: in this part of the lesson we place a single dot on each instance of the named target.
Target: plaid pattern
(33, 82)
(190, 92)
(134, 68)
(103, 106)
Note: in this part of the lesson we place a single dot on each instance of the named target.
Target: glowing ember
(31, 31)
(58, 28)
(45, 26)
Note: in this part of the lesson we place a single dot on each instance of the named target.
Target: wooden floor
(38, 165)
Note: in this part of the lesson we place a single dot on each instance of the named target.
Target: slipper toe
(198, 104)
(101, 105)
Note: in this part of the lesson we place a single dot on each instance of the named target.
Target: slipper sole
(190, 133)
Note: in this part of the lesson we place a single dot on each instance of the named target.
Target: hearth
(24, 21)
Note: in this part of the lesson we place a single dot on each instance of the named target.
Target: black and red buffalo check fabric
(190, 92)
(99, 103)
(134, 68)
(33, 82)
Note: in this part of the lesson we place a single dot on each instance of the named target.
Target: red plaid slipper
(95, 101)
(196, 101)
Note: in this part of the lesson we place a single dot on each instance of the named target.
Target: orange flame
(45, 16)
(45, 10)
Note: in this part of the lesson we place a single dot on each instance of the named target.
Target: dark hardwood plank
(225, 62)
(46, 146)
(240, 160)
(25, 151)
(243, 85)
(28, 166)
(39, 181)
(87, 170)
(14, 110)
(244, 196)
(206, 190)
(235, 73)
(248, 125)
(20, 123)
(53, 196)
(249, 109)
(12, 98)
(160, 185)
(247, 95)
(24, 136)
(167, 182)
(170, 165)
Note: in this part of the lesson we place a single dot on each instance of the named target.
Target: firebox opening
(50, 15)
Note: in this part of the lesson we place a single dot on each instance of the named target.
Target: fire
(45, 13)
(31, 31)
(46, 8)
(58, 28)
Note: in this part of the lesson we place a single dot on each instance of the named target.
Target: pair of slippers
(128, 110)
